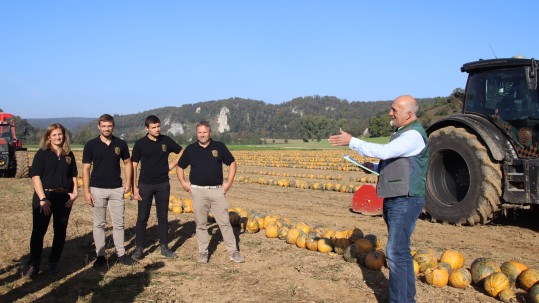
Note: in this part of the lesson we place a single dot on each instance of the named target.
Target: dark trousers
(148, 192)
(60, 215)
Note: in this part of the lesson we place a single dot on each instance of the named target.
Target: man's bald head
(403, 110)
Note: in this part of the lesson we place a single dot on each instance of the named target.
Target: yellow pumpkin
(328, 233)
(261, 224)
(325, 245)
(416, 268)
(460, 278)
(251, 226)
(177, 209)
(512, 269)
(495, 283)
(272, 231)
(311, 244)
(453, 257)
(508, 295)
(301, 240)
(426, 259)
(283, 232)
(268, 219)
(437, 277)
(304, 227)
(292, 236)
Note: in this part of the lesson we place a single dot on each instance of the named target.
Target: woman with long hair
(54, 175)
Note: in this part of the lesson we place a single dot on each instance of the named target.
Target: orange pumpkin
(325, 245)
(495, 283)
(292, 236)
(460, 278)
(375, 260)
(453, 257)
(482, 269)
(512, 269)
(437, 277)
(364, 246)
(528, 278)
(272, 231)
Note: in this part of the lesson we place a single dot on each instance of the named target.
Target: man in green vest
(401, 183)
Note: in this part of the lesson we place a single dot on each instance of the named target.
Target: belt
(206, 187)
(56, 190)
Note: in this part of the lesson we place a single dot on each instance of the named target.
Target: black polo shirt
(206, 163)
(153, 158)
(54, 171)
(105, 160)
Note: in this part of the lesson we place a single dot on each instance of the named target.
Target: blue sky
(85, 58)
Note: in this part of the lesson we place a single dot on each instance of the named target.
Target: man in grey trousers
(103, 188)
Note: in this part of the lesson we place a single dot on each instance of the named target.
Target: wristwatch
(43, 199)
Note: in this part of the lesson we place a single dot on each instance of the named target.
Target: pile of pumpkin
(497, 281)
(350, 243)
(343, 188)
(176, 205)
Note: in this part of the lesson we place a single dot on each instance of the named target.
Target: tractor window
(5, 132)
(503, 94)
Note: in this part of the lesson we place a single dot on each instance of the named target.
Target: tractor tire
(464, 185)
(21, 160)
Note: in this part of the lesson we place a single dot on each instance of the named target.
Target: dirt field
(274, 271)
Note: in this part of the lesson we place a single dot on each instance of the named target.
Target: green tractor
(486, 159)
(13, 157)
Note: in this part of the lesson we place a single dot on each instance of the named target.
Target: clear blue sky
(85, 58)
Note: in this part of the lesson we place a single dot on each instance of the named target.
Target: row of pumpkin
(343, 188)
(366, 250)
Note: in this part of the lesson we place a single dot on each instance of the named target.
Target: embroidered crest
(68, 160)
(117, 150)
(215, 153)
(164, 147)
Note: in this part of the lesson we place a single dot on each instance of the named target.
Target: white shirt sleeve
(410, 143)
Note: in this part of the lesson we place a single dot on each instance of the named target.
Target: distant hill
(70, 123)
(241, 120)
(245, 121)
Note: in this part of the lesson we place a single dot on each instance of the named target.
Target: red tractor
(13, 157)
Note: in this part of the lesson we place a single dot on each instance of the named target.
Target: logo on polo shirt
(117, 150)
(215, 153)
(68, 160)
(164, 147)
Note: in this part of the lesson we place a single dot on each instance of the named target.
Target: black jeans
(60, 215)
(148, 192)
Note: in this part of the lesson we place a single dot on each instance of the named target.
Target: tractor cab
(505, 91)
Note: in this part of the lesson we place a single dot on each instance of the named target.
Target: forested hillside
(246, 121)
